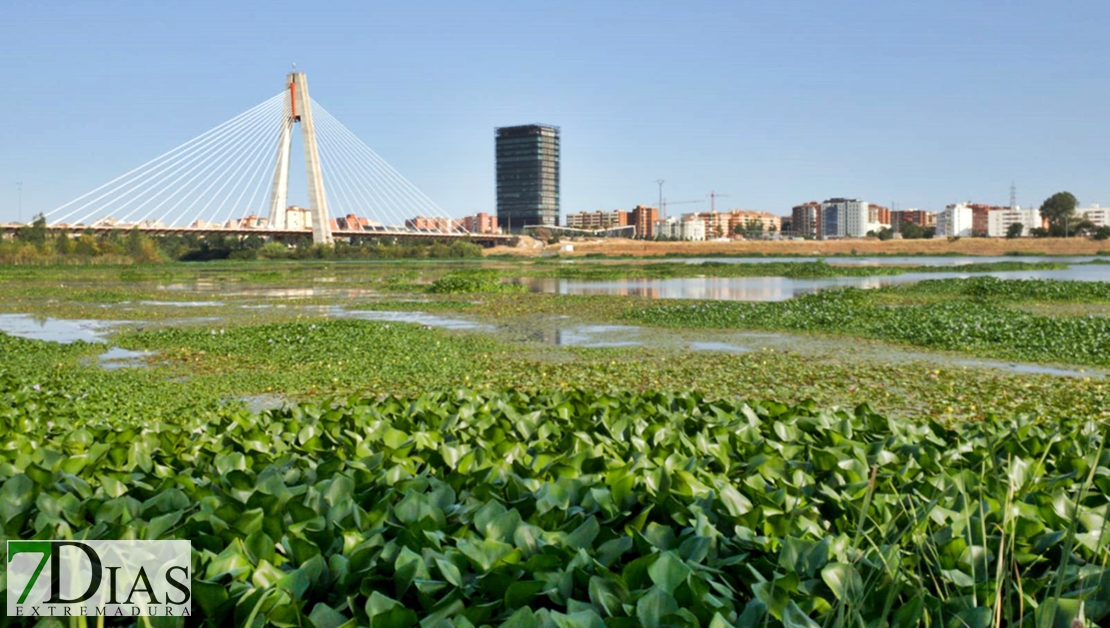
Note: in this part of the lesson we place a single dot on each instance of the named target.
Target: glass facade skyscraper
(527, 176)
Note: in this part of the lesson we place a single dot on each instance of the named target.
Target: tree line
(35, 243)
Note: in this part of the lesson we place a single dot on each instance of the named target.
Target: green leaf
(17, 494)
(324, 616)
(843, 580)
(608, 594)
(668, 571)
(522, 592)
(449, 572)
(654, 606)
(583, 536)
(486, 553)
(793, 617)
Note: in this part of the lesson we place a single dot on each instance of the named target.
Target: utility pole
(660, 182)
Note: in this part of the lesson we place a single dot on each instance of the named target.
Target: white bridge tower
(299, 109)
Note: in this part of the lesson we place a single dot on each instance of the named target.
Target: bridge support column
(300, 110)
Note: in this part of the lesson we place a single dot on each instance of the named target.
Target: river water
(782, 288)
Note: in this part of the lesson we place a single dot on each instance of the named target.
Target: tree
(1014, 231)
(1082, 226)
(886, 233)
(912, 231)
(753, 228)
(62, 244)
(1059, 210)
(1101, 233)
(1038, 232)
(134, 243)
(35, 233)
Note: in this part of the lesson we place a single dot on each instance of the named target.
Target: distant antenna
(1013, 195)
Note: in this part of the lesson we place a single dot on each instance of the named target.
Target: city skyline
(774, 105)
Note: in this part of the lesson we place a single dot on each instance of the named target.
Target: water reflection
(54, 329)
(117, 358)
(909, 260)
(778, 288)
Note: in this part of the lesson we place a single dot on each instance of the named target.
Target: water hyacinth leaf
(608, 594)
(521, 593)
(653, 606)
(16, 496)
(794, 617)
(485, 554)
(843, 580)
(324, 616)
(668, 571)
(449, 572)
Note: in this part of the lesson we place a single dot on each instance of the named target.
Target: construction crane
(713, 196)
(663, 209)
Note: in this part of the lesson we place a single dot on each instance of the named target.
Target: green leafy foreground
(579, 509)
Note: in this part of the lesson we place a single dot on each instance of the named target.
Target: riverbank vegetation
(36, 245)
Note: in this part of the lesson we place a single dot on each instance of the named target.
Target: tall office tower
(527, 176)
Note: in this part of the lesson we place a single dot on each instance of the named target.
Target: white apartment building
(999, 221)
(845, 218)
(955, 220)
(1100, 216)
(686, 228)
(298, 218)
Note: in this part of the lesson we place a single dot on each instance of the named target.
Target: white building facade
(686, 228)
(999, 221)
(845, 218)
(955, 221)
(1100, 216)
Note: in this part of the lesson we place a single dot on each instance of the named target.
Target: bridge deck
(340, 234)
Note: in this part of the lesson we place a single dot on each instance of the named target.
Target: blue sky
(772, 103)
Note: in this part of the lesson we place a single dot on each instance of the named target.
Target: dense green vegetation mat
(580, 509)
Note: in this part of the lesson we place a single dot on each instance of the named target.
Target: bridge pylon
(298, 108)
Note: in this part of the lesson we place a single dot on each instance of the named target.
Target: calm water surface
(780, 288)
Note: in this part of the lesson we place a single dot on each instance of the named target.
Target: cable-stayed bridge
(234, 179)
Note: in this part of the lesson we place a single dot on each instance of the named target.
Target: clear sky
(771, 102)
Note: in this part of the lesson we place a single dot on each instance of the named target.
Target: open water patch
(118, 358)
(723, 347)
(184, 303)
(417, 317)
(262, 402)
(780, 288)
(1031, 369)
(60, 330)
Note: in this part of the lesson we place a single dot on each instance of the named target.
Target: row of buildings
(973, 219)
(834, 218)
(645, 222)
